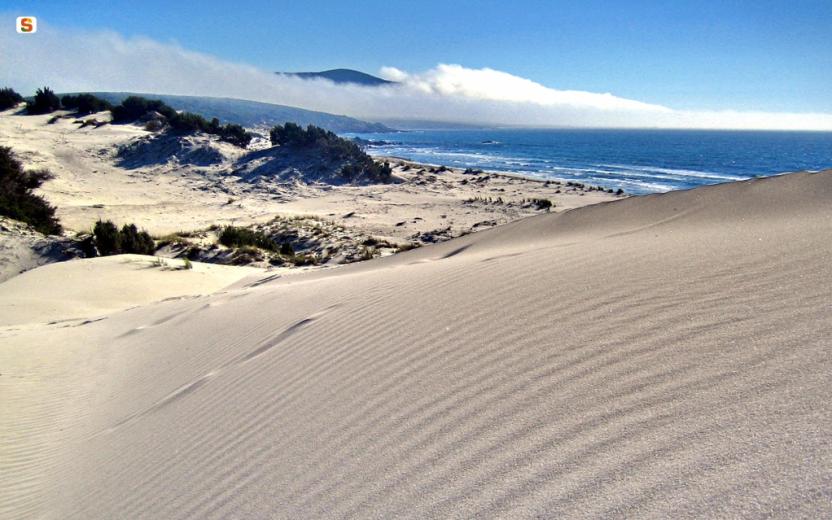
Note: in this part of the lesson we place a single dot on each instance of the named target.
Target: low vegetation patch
(136, 108)
(9, 98)
(109, 240)
(17, 199)
(44, 102)
(85, 103)
(540, 203)
(231, 236)
(357, 164)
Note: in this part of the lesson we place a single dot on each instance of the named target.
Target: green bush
(44, 102)
(110, 241)
(107, 238)
(135, 241)
(542, 203)
(85, 103)
(9, 98)
(16, 198)
(286, 249)
(358, 164)
(232, 236)
(135, 107)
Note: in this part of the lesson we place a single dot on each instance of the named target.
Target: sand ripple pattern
(658, 357)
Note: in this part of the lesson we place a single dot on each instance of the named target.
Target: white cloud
(105, 61)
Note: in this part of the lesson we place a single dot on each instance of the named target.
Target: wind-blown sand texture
(659, 356)
(92, 287)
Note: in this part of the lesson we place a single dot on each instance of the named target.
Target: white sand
(86, 288)
(656, 357)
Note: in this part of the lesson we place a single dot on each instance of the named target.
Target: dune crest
(660, 356)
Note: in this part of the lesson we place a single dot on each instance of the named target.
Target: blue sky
(691, 55)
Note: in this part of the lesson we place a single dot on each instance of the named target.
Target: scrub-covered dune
(660, 356)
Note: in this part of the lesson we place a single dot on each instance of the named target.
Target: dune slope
(658, 356)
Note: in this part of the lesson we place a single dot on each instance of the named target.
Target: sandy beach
(655, 356)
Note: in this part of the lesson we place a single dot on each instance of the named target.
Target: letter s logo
(27, 24)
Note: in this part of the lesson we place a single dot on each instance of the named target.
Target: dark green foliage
(16, 198)
(136, 107)
(287, 249)
(358, 164)
(85, 103)
(9, 98)
(232, 236)
(107, 238)
(291, 134)
(542, 203)
(135, 241)
(234, 134)
(45, 101)
(110, 241)
(188, 123)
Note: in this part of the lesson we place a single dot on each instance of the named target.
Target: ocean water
(638, 161)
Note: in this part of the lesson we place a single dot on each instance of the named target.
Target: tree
(16, 198)
(45, 101)
(9, 98)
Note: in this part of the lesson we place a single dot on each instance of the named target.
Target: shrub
(232, 236)
(358, 164)
(542, 203)
(107, 238)
(187, 265)
(136, 107)
(287, 249)
(16, 198)
(9, 98)
(110, 241)
(231, 133)
(44, 102)
(85, 103)
(135, 241)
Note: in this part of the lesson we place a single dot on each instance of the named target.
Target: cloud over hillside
(105, 61)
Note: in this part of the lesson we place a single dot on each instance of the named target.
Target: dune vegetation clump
(85, 103)
(232, 236)
(135, 108)
(109, 240)
(44, 102)
(9, 98)
(541, 204)
(17, 199)
(357, 165)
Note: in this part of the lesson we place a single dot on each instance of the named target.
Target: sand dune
(660, 356)
(98, 286)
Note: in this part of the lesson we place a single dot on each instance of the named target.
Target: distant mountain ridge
(349, 76)
(254, 113)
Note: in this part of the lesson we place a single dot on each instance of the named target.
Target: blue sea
(638, 161)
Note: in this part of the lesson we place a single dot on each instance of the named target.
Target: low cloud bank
(105, 61)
